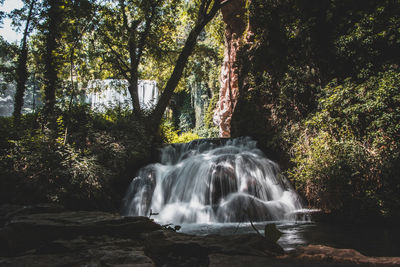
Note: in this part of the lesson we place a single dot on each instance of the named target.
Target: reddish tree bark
(234, 17)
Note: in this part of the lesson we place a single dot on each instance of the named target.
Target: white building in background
(112, 93)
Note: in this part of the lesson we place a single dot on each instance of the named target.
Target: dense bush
(320, 82)
(84, 163)
(170, 135)
(347, 153)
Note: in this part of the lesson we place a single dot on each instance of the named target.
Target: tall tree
(60, 53)
(143, 30)
(78, 22)
(21, 71)
(51, 82)
(128, 30)
(206, 12)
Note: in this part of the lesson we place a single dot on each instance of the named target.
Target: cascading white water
(203, 181)
(112, 93)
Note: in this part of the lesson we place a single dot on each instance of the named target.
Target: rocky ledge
(48, 236)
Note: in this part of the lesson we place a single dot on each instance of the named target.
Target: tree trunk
(51, 66)
(22, 73)
(173, 81)
(204, 17)
(133, 90)
(233, 15)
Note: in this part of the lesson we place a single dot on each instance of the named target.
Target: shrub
(81, 164)
(170, 135)
(347, 150)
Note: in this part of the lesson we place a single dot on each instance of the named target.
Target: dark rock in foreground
(33, 231)
(344, 256)
(30, 237)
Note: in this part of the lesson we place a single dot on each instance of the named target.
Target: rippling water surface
(371, 240)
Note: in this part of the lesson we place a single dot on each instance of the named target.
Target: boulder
(9, 211)
(25, 232)
(341, 256)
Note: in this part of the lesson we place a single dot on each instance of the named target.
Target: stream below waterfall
(368, 239)
(219, 186)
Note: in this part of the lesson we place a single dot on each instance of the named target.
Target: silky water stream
(221, 186)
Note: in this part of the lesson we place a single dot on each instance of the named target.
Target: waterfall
(111, 93)
(212, 181)
(31, 99)
(100, 94)
(7, 101)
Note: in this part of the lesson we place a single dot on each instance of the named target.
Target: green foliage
(186, 137)
(347, 150)
(208, 117)
(200, 87)
(370, 41)
(80, 165)
(169, 135)
(53, 171)
(8, 54)
(67, 153)
(167, 131)
(320, 81)
(168, 34)
(210, 130)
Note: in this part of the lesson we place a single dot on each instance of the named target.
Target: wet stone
(105, 239)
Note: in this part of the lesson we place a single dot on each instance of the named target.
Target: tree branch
(202, 20)
(224, 2)
(207, 6)
(118, 57)
(146, 32)
(124, 17)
